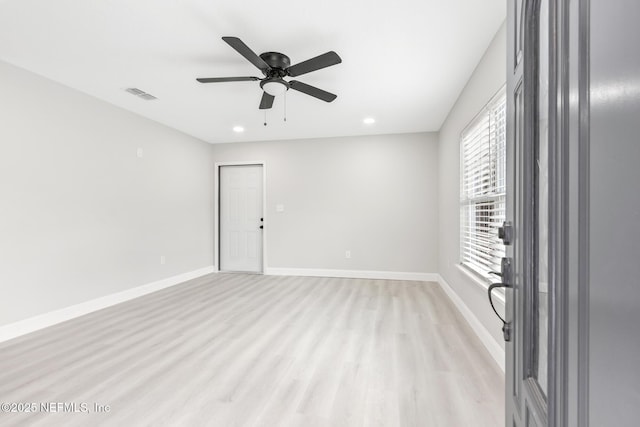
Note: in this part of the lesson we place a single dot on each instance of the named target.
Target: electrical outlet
(347, 254)
(163, 260)
(140, 153)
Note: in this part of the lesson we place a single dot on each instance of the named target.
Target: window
(482, 192)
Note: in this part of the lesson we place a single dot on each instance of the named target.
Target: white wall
(373, 195)
(487, 79)
(80, 215)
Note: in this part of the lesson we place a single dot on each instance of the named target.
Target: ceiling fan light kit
(274, 87)
(275, 67)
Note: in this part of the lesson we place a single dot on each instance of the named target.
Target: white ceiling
(404, 62)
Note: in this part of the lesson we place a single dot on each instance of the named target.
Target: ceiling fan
(275, 66)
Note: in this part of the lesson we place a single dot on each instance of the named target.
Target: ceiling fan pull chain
(285, 106)
(265, 117)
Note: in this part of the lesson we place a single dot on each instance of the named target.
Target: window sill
(498, 293)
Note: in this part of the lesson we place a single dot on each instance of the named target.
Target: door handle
(261, 227)
(506, 273)
(506, 326)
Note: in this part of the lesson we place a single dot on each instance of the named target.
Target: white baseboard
(352, 274)
(32, 324)
(495, 350)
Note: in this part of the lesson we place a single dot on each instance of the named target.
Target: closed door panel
(241, 218)
(528, 211)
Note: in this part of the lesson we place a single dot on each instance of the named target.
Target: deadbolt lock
(506, 232)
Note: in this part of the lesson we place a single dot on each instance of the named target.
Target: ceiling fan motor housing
(274, 84)
(278, 62)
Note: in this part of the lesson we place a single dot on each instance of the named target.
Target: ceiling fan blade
(245, 51)
(267, 101)
(311, 90)
(322, 61)
(226, 79)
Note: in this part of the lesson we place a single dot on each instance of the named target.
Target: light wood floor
(246, 350)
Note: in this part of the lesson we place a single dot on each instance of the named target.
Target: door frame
(216, 209)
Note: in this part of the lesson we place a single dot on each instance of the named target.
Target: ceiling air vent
(140, 94)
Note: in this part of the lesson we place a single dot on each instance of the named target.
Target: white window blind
(482, 193)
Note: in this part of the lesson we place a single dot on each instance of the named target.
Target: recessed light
(369, 121)
(238, 129)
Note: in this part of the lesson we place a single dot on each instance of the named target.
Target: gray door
(612, 269)
(526, 269)
(573, 293)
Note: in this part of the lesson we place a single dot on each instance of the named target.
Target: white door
(241, 218)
